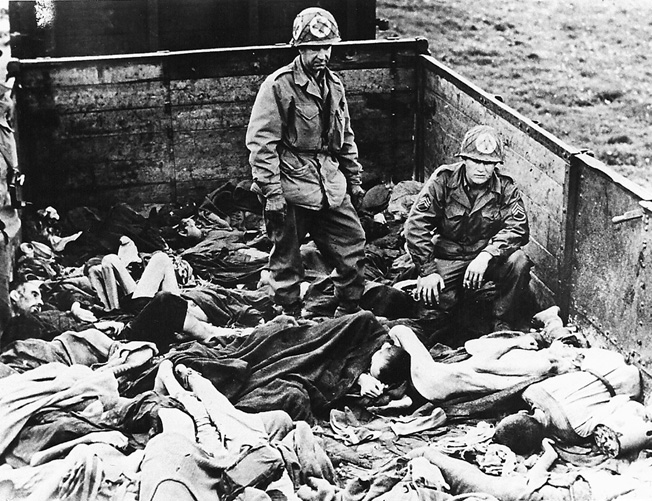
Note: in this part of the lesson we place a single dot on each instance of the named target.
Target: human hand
(428, 289)
(82, 314)
(474, 275)
(317, 489)
(110, 327)
(357, 194)
(527, 342)
(274, 213)
(370, 386)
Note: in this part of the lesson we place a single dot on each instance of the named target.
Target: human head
(390, 364)
(26, 296)
(481, 151)
(315, 58)
(521, 432)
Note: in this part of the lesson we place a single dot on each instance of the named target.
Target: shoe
(340, 311)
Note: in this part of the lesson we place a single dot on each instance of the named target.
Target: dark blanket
(301, 370)
(232, 306)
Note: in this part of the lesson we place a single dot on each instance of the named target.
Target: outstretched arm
(433, 380)
(496, 347)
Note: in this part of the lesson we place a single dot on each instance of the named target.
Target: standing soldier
(468, 226)
(304, 162)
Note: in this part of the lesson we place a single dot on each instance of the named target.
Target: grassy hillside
(581, 68)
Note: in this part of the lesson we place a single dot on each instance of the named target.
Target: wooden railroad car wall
(157, 128)
(171, 127)
(590, 227)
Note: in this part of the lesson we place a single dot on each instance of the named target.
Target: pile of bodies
(204, 391)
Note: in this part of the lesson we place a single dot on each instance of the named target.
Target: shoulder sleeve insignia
(518, 212)
(424, 202)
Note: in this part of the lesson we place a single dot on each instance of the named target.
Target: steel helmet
(481, 143)
(314, 26)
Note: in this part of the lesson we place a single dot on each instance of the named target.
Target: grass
(581, 68)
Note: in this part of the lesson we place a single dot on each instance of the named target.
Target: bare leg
(463, 477)
(207, 435)
(240, 425)
(199, 330)
(114, 273)
(158, 275)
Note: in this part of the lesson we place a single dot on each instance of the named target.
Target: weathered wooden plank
(210, 154)
(104, 160)
(611, 269)
(385, 130)
(535, 183)
(222, 116)
(86, 71)
(74, 99)
(543, 226)
(388, 162)
(204, 91)
(263, 60)
(134, 121)
(546, 265)
(379, 80)
(387, 121)
(551, 164)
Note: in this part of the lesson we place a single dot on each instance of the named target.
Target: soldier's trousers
(511, 277)
(340, 239)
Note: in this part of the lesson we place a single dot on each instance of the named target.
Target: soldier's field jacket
(443, 223)
(301, 145)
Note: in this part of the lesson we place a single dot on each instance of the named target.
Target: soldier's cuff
(427, 269)
(493, 250)
(271, 191)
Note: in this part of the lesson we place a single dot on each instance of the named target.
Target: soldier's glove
(357, 195)
(275, 212)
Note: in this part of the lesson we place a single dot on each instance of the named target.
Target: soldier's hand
(275, 212)
(428, 289)
(474, 275)
(357, 195)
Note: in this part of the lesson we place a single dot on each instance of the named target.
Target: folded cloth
(417, 422)
(348, 428)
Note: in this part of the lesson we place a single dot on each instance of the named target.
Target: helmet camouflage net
(482, 143)
(314, 26)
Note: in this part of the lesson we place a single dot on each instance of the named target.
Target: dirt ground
(580, 68)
